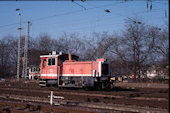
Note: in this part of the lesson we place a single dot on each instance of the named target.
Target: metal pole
(23, 62)
(51, 98)
(19, 38)
(26, 48)
(24, 58)
(26, 52)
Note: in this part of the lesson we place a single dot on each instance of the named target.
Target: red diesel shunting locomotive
(64, 70)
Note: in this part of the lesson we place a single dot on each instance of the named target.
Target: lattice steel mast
(25, 61)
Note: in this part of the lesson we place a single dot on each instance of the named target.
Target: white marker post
(51, 98)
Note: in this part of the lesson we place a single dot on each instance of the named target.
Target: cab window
(44, 63)
(51, 61)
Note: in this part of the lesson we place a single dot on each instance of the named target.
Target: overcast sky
(84, 18)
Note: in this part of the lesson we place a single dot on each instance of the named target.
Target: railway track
(135, 96)
(66, 103)
(123, 99)
(135, 99)
(119, 91)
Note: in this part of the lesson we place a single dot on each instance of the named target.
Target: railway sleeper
(43, 83)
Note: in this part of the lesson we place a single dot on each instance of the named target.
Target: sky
(84, 18)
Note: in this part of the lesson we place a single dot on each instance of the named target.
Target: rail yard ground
(26, 96)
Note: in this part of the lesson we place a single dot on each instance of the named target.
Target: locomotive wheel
(98, 86)
(106, 85)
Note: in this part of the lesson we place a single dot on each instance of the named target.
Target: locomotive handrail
(58, 76)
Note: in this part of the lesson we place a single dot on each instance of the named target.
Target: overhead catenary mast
(19, 39)
(25, 60)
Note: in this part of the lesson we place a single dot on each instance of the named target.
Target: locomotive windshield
(105, 69)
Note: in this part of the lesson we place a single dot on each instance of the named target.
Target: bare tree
(135, 46)
(161, 50)
(7, 56)
(69, 43)
(97, 46)
(44, 43)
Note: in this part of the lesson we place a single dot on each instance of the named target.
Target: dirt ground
(27, 96)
